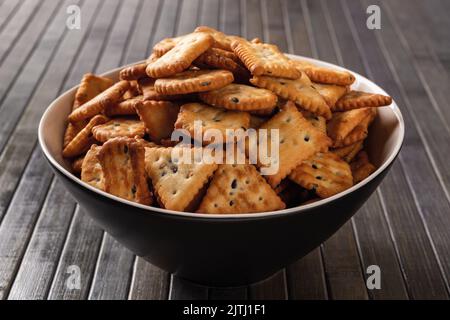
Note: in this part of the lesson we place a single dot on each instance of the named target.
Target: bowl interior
(383, 144)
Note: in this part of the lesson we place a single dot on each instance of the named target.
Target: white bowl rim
(298, 209)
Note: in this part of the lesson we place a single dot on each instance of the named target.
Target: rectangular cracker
(159, 118)
(342, 123)
(123, 164)
(299, 90)
(134, 72)
(323, 74)
(361, 167)
(147, 86)
(99, 103)
(211, 118)
(331, 92)
(299, 140)
(326, 173)
(91, 169)
(176, 183)
(124, 108)
(358, 99)
(90, 86)
(264, 59)
(348, 152)
(358, 133)
(239, 188)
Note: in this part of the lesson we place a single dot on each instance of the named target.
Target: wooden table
(404, 228)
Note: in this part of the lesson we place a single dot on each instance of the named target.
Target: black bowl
(223, 250)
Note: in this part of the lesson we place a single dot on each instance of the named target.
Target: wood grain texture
(7, 11)
(273, 288)
(181, 289)
(149, 282)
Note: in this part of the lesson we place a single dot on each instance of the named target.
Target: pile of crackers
(118, 134)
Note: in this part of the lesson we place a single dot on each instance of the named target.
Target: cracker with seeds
(299, 90)
(361, 167)
(158, 117)
(91, 169)
(193, 81)
(124, 108)
(84, 139)
(134, 72)
(299, 140)
(317, 121)
(351, 127)
(176, 182)
(326, 173)
(210, 118)
(324, 75)
(164, 46)
(180, 57)
(240, 97)
(119, 127)
(239, 188)
(330, 92)
(149, 92)
(264, 59)
(348, 152)
(359, 99)
(123, 164)
(99, 103)
(221, 40)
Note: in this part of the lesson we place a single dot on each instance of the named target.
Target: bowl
(224, 250)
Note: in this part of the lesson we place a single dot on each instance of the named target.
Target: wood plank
(26, 62)
(273, 288)
(7, 11)
(252, 26)
(230, 19)
(166, 26)
(149, 282)
(416, 252)
(340, 254)
(41, 257)
(296, 28)
(185, 290)
(373, 235)
(209, 14)
(189, 16)
(237, 293)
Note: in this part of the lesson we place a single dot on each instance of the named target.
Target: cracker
(100, 102)
(123, 164)
(221, 59)
(163, 46)
(324, 75)
(256, 121)
(72, 130)
(361, 167)
(76, 165)
(124, 108)
(317, 121)
(147, 86)
(342, 123)
(133, 91)
(159, 118)
(84, 139)
(359, 99)
(90, 86)
(300, 91)
(119, 127)
(176, 183)
(264, 59)
(180, 57)
(299, 140)
(348, 152)
(221, 40)
(239, 188)
(134, 72)
(240, 97)
(91, 169)
(326, 173)
(330, 92)
(193, 81)
(210, 118)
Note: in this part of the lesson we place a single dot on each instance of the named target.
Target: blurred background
(47, 45)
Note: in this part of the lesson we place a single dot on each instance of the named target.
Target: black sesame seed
(319, 178)
(235, 100)
(306, 138)
(314, 166)
(234, 184)
(125, 149)
(206, 83)
(133, 189)
(231, 202)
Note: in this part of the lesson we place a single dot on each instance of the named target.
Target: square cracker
(299, 90)
(324, 75)
(239, 188)
(159, 118)
(90, 86)
(264, 59)
(181, 56)
(326, 173)
(361, 167)
(91, 169)
(359, 99)
(348, 152)
(357, 133)
(342, 123)
(221, 40)
(123, 165)
(330, 92)
(176, 183)
(211, 118)
(299, 140)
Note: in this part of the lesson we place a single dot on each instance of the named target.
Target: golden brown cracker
(159, 118)
(176, 183)
(325, 75)
(326, 173)
(83, 139)
(147, 86)
(359, 99)
(100, 102)
(358, 133)
(162, 47)
(90, 86)
(193, 81)
(342, 123)
(264, 59)
(72, 130)
(76, 165)
(119, 127)
(239, 188)
(134, 72)
(180, 57)
(317, 121)
(240, 97)
(330, 92)
(221, 40)
(123, 164)
(91, 169)
(298, 141)
(210, 118)
(124, 108)
(348, 152)
(361, 167)
(300, 91)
